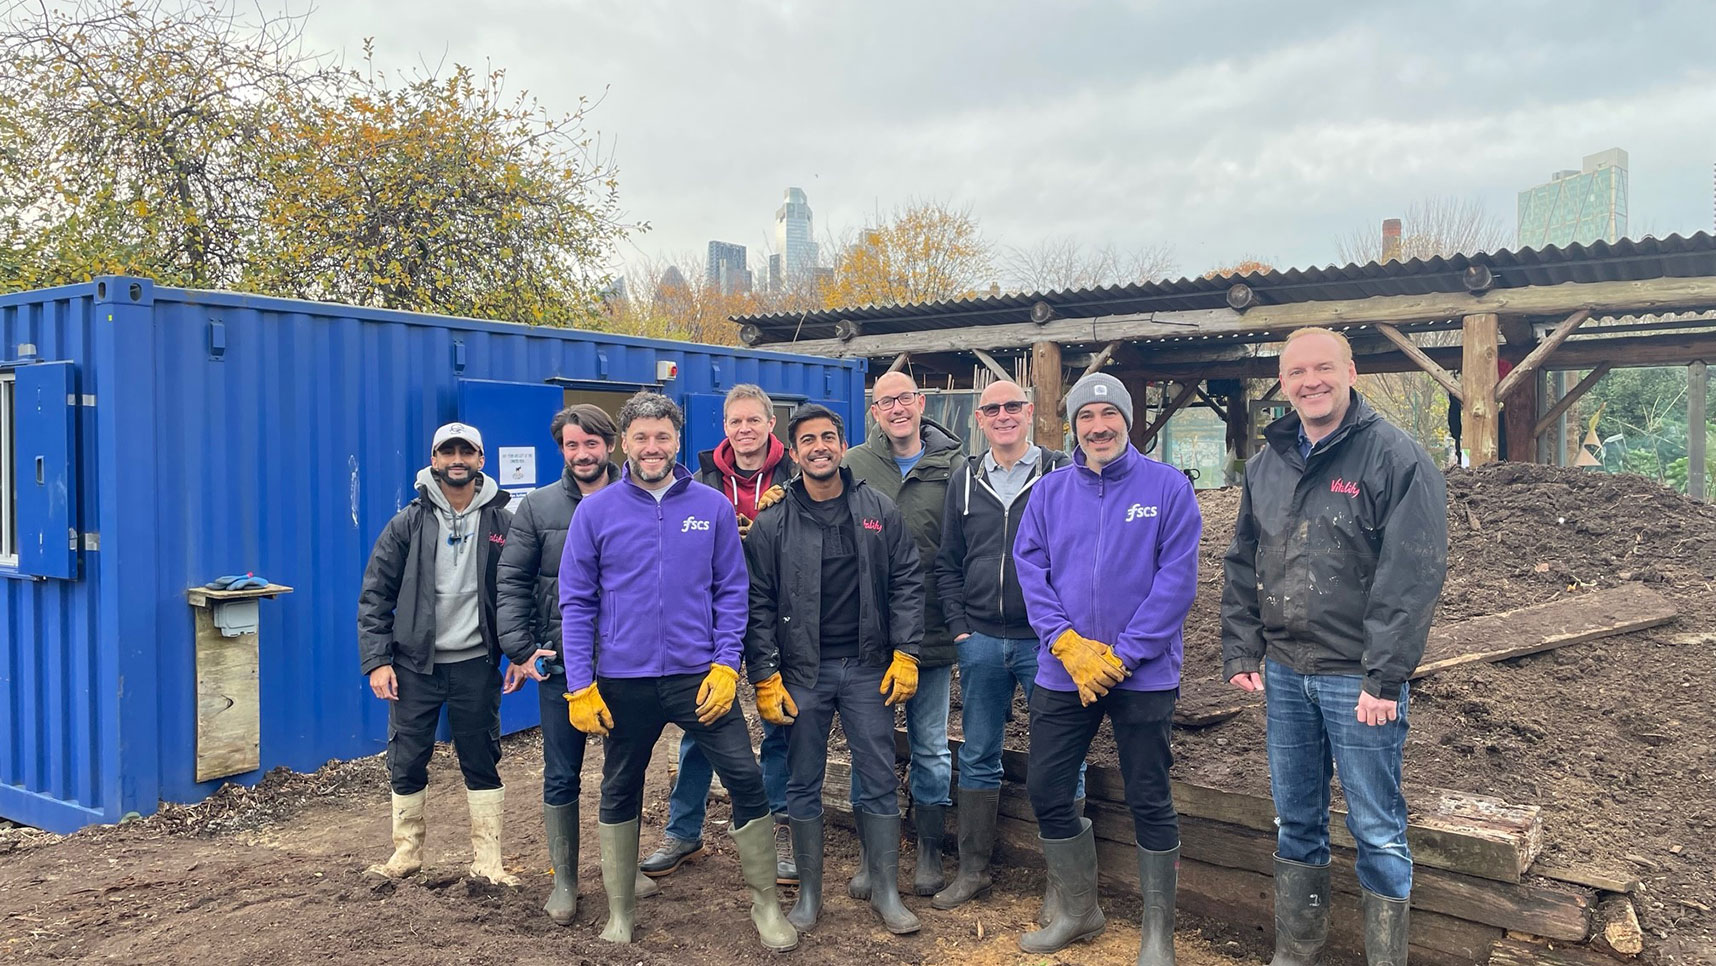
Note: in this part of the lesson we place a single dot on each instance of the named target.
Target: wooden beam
(1141, 437)
(1519, 418)
(1655, 295)
(1211, 402)
(1568, 399)
(1697, 431)
(900, 362)
(1101, 358)
(1046, 381)
(1424, 362)
(1535, 357)
(1273, 389)
(992, 365)
(1478, 382)
(1543, 627)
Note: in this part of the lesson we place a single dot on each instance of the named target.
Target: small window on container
(8, 473)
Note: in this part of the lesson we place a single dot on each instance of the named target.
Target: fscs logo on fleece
(1138, 511)
(692, 523)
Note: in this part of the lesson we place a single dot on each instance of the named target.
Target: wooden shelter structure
(1592, 308)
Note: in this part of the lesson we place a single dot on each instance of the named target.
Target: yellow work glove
(715, 697)
(588, 712)
(1092, 665)
(770, 497)
(773, 702)
(744, 525)
(901, 679)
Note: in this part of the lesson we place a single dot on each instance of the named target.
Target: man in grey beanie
(1098, 387)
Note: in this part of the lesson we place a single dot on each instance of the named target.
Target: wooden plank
(1515, 952)
(1600, 879)
(1697, 432)
(992, 365)
(1603, 298)
(900, 362)
(1542, 627)
(1477, 384)
(1203, 703)
(1046, 383)
(1618, 929)
(1423, 361)
(1541, 352)
(203, 596)
(1572, 396)
(229, 713)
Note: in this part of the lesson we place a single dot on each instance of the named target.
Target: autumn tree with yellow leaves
(921, 252)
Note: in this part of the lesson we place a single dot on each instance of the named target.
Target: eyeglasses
(890, 402)
(1013, 406)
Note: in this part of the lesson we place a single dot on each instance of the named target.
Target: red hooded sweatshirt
(738, 490)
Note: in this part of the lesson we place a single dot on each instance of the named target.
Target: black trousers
(470, 691)
(1061, 732)
(562, 744)
(642, 707)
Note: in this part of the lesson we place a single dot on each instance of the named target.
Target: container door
(513, 418)
(46, 481)
(704, 425)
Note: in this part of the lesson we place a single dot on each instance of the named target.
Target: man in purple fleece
(653, 576)
(1107, 555)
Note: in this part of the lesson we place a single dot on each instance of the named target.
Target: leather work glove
(715, 697)
(1092, 665)
(744, 525)
(588, 712)
(902, 678)
(774, 703)
(770, 497)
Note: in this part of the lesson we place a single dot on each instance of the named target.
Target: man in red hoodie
(749, 468)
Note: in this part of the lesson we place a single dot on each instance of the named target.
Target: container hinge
(91, 541)
(88, 399)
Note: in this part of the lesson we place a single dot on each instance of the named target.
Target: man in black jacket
(985, 610)
(529, 609)
(1337, 560)
(836, 620)
(427, 638)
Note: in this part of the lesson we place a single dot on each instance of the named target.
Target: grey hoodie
(458, 627)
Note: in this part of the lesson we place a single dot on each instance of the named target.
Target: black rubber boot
(1301, 913)
(807, 845)
(928, 877)
(1158, 880)
(561, 824)
(881, 835)
(858, 887)
(1385, 922)
(977, 809)
(1072, 873)
(1051, 899)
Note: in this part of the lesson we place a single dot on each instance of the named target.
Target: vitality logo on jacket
(874, 526)
(692, 523)
(1342, 486)
(1138, 511)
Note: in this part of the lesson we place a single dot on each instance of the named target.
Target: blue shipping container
(162, 437)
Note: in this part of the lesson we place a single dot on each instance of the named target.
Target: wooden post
(1478, 385)
(1520, 418)
(1046, 381)
(1697, 385)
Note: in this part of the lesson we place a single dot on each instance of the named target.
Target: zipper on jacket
(1096, 561)
(660, 586)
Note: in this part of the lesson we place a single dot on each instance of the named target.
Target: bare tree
(1438, 225)
(1066, 263)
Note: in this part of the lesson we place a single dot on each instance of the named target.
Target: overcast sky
(1224, 131)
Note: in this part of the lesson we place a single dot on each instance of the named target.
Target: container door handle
(41, 477)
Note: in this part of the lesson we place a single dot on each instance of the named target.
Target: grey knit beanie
(1098, 387)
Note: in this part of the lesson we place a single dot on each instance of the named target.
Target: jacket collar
(795, 486)
(681, 480)
(570, 482)
(1283, 434)
(1113, 471)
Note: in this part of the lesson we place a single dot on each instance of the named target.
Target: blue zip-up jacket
(660, 586)
(1113, 556)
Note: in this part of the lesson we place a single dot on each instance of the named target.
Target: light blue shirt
(905, 463)
(1009, 483)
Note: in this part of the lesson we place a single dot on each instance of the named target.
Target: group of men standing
(850, 581)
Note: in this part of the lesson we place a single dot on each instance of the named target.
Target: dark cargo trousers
(470, 691)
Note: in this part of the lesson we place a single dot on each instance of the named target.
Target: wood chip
(1640, 860)
(1541, 568)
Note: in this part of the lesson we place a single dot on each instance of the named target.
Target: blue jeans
(989, 670)
(1313, 732)
(689, 803)
(926, 733)
(852, 689)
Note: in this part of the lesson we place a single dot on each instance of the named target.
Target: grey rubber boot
(1072, 872)
(928, 877)
(756, 845)
(807, 846)
(1052, 899)
(977, 812)
(1301, 913)
(1385, 922)
(619, 845)
(1158, 881)
(645, 887)
(561, 824)
(858, 887)
(881, 835)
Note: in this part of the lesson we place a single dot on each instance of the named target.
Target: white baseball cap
(453, 431)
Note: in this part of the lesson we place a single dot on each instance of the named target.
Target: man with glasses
(909, 462)
(985, 609)
(427, 639)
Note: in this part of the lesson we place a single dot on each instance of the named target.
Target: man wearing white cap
(427, 639)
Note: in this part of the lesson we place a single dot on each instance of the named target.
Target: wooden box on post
(229, 708)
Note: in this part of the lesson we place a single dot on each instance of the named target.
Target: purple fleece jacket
(1113, 556)
(660, 588)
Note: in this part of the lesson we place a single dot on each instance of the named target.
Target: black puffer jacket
(396, 607)
(784, 553)
(974, 572)
(1337, 559)
(530, 568)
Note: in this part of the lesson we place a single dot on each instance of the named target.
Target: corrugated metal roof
(1626, 260)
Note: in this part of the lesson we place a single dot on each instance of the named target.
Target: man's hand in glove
(744, 525)
(1092, 665)
(770, 497)
(774, 703)
(588, 712)
(715, 697)
(901, 679)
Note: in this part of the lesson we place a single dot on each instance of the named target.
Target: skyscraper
(794, 231)
(727, 273)
(1577, 206)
